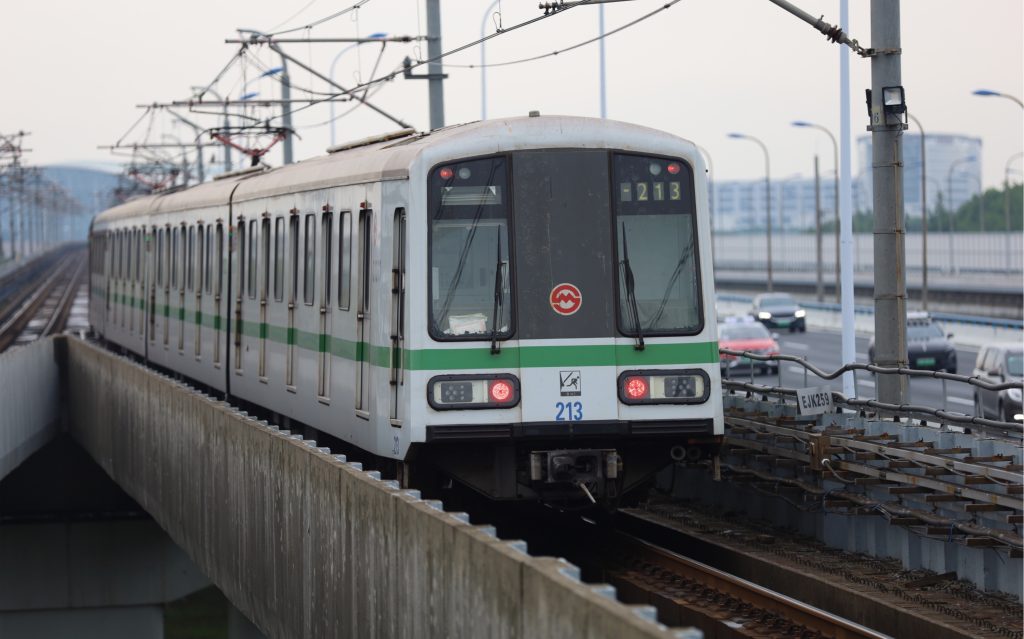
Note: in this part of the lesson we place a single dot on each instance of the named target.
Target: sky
(76, 72)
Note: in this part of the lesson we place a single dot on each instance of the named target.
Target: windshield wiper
(631, 291)
(499, 300)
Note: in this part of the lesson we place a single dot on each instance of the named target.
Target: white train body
(404, 296)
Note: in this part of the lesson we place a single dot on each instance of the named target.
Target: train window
(190, 258)
(309, 251)
(279, 259)
(208, 271)
(344, 260)
(174, 258)
(241, 257)
(265, 244)
(293, 235)
(327, 233)
(469, 242)
(160, 257)
(200, 258)
(252, 259)
(219, 282)
(656, 245)
(182, 260)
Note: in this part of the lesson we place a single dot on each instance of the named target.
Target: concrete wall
(307, 545)
(29, 402)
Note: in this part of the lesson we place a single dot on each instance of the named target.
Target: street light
(949, 204)
(331, 73)
(767, 194)
(835, 159)
(924, 218)
(988, 93)
(483, 61)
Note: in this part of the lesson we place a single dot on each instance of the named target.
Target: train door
(264, 287)
(397, 313)
(324, 341)
(364, 242)
(293, 287)
(239, 267)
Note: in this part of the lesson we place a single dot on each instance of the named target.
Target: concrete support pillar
(106, 580)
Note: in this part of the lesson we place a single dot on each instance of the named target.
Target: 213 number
(568, 411)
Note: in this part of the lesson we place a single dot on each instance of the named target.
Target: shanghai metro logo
(565, 299)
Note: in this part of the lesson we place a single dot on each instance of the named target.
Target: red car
(747, 336)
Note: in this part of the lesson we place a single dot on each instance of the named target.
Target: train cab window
(327, 235)
(656, 246)
(279, 259)
(265, 257)
(252, 259)
(309, 251)
(469, 250)
(344, 260)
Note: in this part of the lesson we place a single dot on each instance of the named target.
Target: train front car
(571, 345)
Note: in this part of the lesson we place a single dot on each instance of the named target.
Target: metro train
(523, 305)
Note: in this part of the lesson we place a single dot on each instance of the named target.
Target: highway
(822, 347)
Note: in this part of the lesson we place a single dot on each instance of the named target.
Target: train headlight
(764, 315)
(688, 386)
(458, 392)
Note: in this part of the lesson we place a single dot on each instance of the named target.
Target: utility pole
(436, 79)
(887, 106)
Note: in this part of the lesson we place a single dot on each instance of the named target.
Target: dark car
(747, 336)
(779, 310)
(928, 347)
(999, 364)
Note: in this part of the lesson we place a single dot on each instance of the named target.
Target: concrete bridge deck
(308, 545)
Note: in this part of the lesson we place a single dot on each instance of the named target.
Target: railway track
(39, 300)
(688, 592)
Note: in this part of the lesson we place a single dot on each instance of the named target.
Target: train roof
(390, 158)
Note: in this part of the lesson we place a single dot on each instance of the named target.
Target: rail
(909, 410)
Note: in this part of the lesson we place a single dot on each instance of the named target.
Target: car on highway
(779, 310)
(998, 364)
(928, 348)
(745, 334)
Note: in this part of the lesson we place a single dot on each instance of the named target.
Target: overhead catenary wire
(632, 23)
(353, 90)
(336, 14)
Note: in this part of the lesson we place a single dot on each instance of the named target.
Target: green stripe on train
(444, 359)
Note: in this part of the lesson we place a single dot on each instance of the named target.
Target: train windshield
(656, 231)
(470, 290)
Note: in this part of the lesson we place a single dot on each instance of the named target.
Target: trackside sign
(814, 401)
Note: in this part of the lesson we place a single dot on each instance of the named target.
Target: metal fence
(998, 253)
